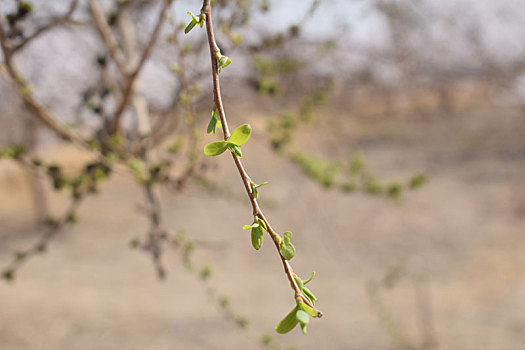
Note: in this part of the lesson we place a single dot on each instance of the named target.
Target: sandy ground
(459, 244)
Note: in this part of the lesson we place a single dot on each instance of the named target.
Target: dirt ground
(457, 246)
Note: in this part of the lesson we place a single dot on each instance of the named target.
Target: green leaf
(215, 148)
(298, 281)
(212, 125)
(287, 251)
(257, 237)
(235, 149)
(248, 227)
(286, 248)
(309, 295)
(195, 18)
(302, 316)
(311, 277)
(255, 186)
(303, 328)
(190, 26)
(240, 135)
(308, 309)
(223, 62)
(263, 225)
(288, 322)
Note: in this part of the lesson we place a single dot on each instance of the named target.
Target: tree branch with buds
(303, 297)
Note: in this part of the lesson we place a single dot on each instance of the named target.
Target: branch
(24, 91)
(54, 228)
(107, 36)
(52, 24)
(132, 76)
(257, 212)
(157, 233)
(79, 187)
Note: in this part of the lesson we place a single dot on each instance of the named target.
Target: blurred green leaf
(288, 322)
(8, 275)
(373, 186)
(248, 227)
(190, 26)
(254, 188)
(257, 237)
(176, 145)
(235, 149)
(394, 190)
(206, 272)
(307, 309)
(309, 295)
(263, 224)
(212, 125)
(14, 151)
(215, 121)
(311, 277)
(303, 328)
(302, 316)
(194, 21)
(417, 181)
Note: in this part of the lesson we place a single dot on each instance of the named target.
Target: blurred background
(391, 132)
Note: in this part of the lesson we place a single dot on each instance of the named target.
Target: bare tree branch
(257, 212)
(57, 21)
(132, 76)
(53, 229)
(107, 36)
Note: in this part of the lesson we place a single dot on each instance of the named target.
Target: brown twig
(257, 212)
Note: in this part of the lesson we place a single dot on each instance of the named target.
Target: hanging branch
(54, 228)
(79, 187)
(232, 141)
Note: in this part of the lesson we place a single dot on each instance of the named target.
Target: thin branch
(24, 91)
(257, 212)
(107, 36)
(131, 77)
(157, 233)
(52, 24)
(54, 228)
